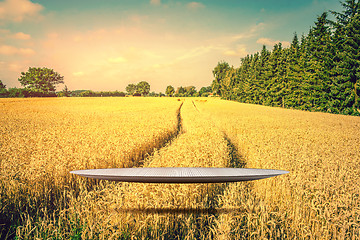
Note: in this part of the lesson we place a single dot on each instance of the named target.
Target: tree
(293, 75)
(219, 73)
(2, 86)
(180, 91)
(320, 64)
(87, 93)
(204, 91)
(345, 90)
(3, 91)
(170, 91)
(65, 92)
(190, 91)
(130, 89)
(40, 81)
(321, 72)
(18, 92)
(143, 88)
(228, 82)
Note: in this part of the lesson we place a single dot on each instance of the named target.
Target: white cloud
(195, 5)
(257, 27)
(11, 50)
(14, 67)
(117, 60)
(21, 36)
(196, 52)
(4, 31)
(270, 42)
(155, 2)
(78, 74)
(240, 51)
(266, 41)
(18, 10)
(138, 19)
(240, 36)
(249, 33)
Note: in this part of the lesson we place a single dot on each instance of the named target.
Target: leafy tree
(153, 94)
(219, 73)
(170, 91)
(204, 91)
(130, 89)
(180, 92)
(228, 82)
(143, 88)
(118, 94)
(3, 91)
(190, 91)
(87, 93)
(40, 81)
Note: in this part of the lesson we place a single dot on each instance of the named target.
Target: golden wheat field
(43, 139)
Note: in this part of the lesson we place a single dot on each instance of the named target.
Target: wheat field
(43, 139)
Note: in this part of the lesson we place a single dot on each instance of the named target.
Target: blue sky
(105, 45)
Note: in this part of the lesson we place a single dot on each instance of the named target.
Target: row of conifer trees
(319, 72)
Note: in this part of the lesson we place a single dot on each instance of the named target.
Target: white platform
(179, 175)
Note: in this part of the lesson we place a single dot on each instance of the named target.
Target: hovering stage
(179, 174)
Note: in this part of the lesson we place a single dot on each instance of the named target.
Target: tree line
(41, 82)
(189, 91)
(319, 72)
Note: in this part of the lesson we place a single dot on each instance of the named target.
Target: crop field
(42, 140)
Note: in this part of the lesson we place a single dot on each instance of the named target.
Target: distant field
(43, 139)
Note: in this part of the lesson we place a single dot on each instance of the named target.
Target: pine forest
(318, 72)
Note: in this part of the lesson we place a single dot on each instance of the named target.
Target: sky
(106, 45)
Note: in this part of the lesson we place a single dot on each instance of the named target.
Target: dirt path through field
(148, 149)
(176, 210)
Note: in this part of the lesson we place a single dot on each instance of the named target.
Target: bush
(4, 93)
(18, 92)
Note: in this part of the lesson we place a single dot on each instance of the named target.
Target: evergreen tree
(320, 73)
(345, 91)
(320, 64)
(274, 73)
(264, 58)
(293, 75)
(2, 86)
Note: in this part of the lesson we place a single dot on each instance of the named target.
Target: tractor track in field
(237, 160)
(195, 106)
(214, 190)
(138, 159)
